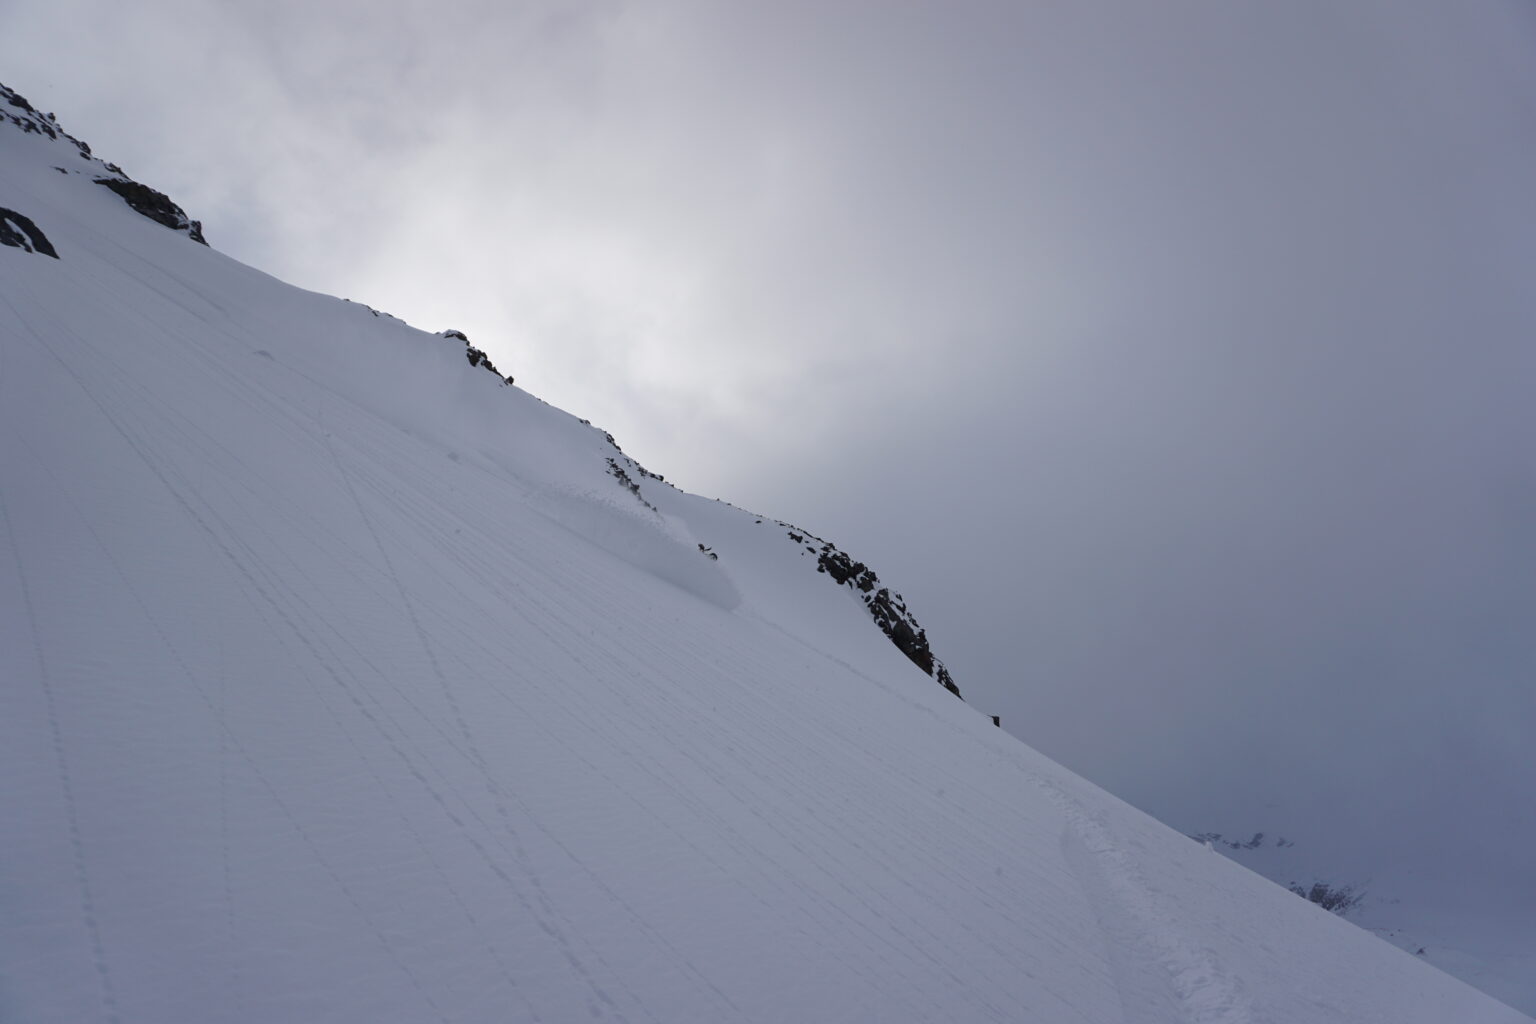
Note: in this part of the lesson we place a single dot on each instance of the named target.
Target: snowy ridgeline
(344, 681)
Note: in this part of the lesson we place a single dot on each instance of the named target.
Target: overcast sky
(1175, 360)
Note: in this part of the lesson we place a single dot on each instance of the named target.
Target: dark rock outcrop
(622, 476)
(18, 230)
(476, 357)
(29, 119)
(157, 206)
(885, 606)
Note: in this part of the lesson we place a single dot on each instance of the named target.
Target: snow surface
(343, 682)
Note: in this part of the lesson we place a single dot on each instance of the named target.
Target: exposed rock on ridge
(17, 230)
(476, 357)
(886, 607)
(155, 205)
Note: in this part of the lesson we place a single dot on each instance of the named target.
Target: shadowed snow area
(345, 682)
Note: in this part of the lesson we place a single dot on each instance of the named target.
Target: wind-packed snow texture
(344, 682)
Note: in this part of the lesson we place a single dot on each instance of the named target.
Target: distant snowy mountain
(346, 681)
(1400, 907)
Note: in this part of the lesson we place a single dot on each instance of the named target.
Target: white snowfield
(341, 682)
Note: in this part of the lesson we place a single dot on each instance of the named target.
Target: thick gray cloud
(1172, 358)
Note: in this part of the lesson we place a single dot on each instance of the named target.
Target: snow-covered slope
(344, 681)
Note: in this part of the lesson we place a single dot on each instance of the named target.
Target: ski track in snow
(187, 497)
(1142, 931)
(505, 799)
(66, 786)
(252, 568)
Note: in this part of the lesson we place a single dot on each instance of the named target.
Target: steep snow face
(344, 681)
